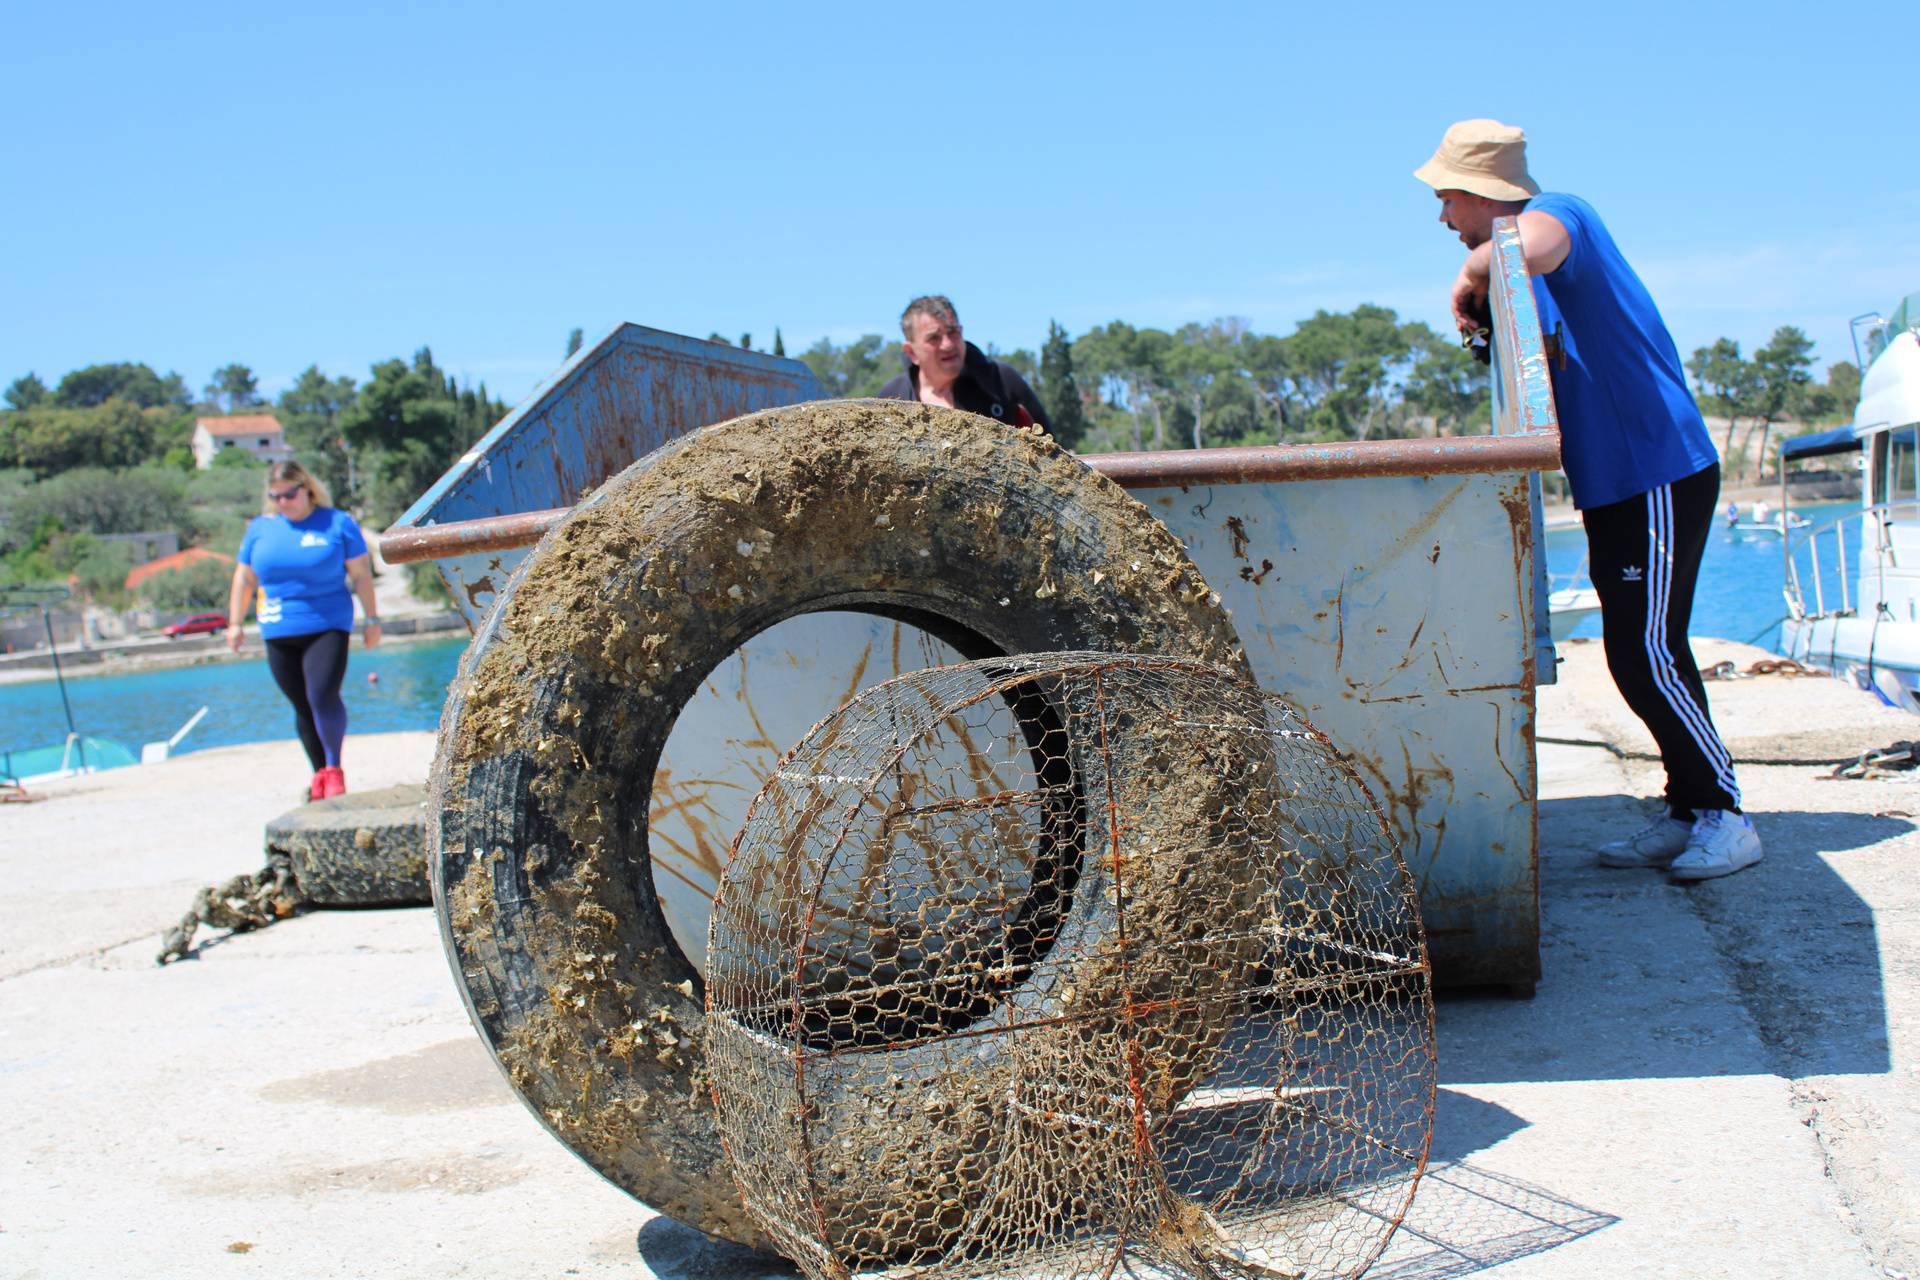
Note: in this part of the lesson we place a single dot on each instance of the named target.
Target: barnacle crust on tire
(993, 539)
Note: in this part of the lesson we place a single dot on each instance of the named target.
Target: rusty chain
(1881, 762)
(241, 904)
(1727, 669)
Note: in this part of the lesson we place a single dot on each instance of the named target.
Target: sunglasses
(285, 495)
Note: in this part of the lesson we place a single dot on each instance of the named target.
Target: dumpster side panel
(612, 403)
(1397, 611)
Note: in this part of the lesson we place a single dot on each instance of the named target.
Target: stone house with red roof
(257, 433)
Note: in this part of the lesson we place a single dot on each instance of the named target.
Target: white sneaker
(1654, 845)
(1722, 843)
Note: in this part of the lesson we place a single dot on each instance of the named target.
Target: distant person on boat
(1642, 468)
(299, 557)
(942, 367)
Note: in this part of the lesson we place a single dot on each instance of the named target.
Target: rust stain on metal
(1248, 575)
(1500, 759)
(477, 588)
(762, 740)
(1340, 623)
(1443, 693)
(1519, 509)
(1237, 530)
(689, 800)
(1518, 504)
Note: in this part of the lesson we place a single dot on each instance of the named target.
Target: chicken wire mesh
(1069, 963)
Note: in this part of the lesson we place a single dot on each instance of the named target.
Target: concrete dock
(1716, 1080)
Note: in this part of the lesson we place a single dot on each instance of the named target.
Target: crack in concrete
(1787, 1021)
(75, 957)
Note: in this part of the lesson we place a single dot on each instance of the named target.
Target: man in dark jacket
(944, 368)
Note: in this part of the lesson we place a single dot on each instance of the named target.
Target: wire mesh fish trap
(1055, 964)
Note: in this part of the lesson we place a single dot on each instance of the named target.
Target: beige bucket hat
(1482, 156)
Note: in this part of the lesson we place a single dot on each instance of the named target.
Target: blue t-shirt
(1627, 421)
(302, 567)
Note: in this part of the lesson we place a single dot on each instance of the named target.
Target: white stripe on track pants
(1643, 555)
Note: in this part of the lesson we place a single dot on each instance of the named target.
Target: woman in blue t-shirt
(299, 557)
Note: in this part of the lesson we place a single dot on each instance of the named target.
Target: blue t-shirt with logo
(1627, 421)
(302, 567)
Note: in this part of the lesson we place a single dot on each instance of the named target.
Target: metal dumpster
(1393, 589)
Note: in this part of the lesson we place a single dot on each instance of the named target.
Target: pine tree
(779, 347)
(1059, 390)
(573, 343)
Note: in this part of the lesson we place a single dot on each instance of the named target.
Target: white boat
(1570, 606)
(1767, 521)
(1860, 619)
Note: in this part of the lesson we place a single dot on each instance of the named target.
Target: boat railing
(1881, 513)
(1558, 582)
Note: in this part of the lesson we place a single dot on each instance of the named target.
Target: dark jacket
(986, 386)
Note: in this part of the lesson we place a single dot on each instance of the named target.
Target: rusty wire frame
(1061, 964)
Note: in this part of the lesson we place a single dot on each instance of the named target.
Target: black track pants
(1643, 555)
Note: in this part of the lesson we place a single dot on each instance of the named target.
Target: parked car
(198, 624)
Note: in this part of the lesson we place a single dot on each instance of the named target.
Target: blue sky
(194, 184)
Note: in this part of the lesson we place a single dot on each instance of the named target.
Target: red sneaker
(332, 782)
(317, 789)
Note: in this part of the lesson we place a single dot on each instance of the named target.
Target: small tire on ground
(363, 849)
(991, 539)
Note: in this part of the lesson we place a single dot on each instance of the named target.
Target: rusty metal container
(1394, 589)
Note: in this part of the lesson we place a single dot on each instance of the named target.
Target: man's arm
(1546, 243)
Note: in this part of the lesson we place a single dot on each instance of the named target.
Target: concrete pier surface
(1715, 1080)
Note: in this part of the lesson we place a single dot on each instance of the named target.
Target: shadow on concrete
(1463, 1124)
(1465, 1220)
(1462, 1220)
(1802, 946)
(1775, 970)
(674, 1251)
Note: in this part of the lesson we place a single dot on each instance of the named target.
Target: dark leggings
(309, 670)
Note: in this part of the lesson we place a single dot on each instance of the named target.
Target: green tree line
(106, 451)
(1765, 391)
(1350, 375)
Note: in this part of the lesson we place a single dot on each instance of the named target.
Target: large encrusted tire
(992, 539)
(364, 849)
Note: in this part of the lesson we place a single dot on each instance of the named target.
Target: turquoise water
(1738, 596)
(1738, 599)
(243, 704)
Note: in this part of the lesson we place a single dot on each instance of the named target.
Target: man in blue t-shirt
(1643, 471)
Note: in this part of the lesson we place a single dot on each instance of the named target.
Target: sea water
(1738, 598)
(243, 703)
